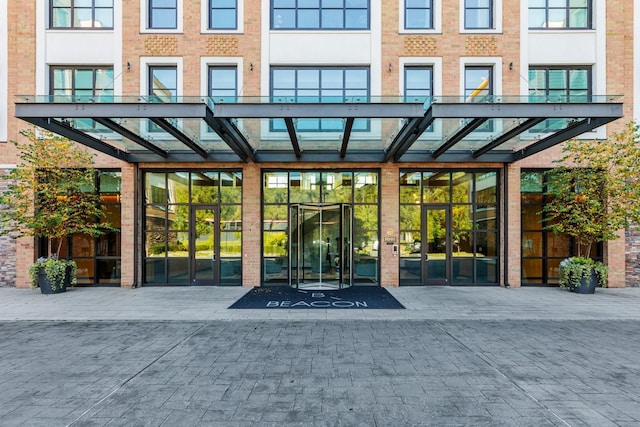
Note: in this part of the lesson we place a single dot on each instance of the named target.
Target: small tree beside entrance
(51, 194)
(594, 197)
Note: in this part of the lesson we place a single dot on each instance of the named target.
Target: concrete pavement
(455, 357)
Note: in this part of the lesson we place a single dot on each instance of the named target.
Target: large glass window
(171, 199)
(542, 251)
(326, 84)
(98, 258)
(559, 14)
(418, 82)
(223, 14)
(84, 84)
(84, 14)
(163, 14)
(418, 14)
(471, 200)
(559, 84)
(478, 87)
(478, 14)
(319, 14)
(223, 83)
(281, 188)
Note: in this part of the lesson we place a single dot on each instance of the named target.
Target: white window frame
(497, 20)
(152, 61)
(437, 20)
(144, 19)
(204, 19)
(219, 61)
(436, 64)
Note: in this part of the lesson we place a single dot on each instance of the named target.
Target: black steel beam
(569, 132)
(177, 134)
(293, 137)
(345, 137)
(132, 136)
(325, 156)
(459, 136)
(408, 136)
(218, 128)
(112, 110)
(248, 152)
(67, 131)
(524, 110)
(407, 130)
(523, 127)
(319, 110)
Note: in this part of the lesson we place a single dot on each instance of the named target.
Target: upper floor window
(163, 83)
(559, 84)
(478, 14)
(81, 14)
(223, 83)
(418, 83)
(418, 14)
(554, 14)
(223, 14)
(320, 14)
(478, 83)
(327, 84)
(84, 84)
(163, 14)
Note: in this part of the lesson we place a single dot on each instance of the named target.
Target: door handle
(426, 257)
(213, 257)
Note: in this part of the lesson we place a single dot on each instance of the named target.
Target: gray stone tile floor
(455, 357)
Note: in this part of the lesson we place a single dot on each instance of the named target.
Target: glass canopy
(358, 129)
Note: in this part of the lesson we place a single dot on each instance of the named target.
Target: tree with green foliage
(598, 194)
(51, 192)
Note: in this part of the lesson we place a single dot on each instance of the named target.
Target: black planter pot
(45, 285)
(587, 284)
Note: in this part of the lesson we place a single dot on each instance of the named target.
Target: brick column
(513, 236)
(389, 223)
(251, 225)
(129, 253)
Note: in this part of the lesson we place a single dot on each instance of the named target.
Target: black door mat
(279, 297)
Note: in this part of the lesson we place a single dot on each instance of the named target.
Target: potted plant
(51, 195)
(592, 199)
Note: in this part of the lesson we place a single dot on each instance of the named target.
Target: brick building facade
(269, 49)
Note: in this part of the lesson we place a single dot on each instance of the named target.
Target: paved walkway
(455, 357)
(211, 303)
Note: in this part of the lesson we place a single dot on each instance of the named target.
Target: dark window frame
(431, 8)
(568, 9)
(489, 9)
(212, 8)
(295, 88)
(296, 9)
(151, 8)
(150, 86)
(568, 69)
(72, 12)
(210, 82)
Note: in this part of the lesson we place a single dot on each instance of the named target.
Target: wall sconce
(128, 65)
(390, 67)
(511, 66)
(250, 66)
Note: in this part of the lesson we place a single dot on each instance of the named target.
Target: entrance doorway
(436, 246)
(320, 246)
(204, 248)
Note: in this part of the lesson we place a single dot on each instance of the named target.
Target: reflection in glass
(178, 186)
(435, 187)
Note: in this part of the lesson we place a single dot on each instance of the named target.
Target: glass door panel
(436, 253)
(320, 246)
(204, 246)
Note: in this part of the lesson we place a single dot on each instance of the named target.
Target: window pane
(418, 19)
(163, 18)
(223, 19)
(61, 18)
(104, 18)
(537, 18)
(356, 19)
(308, 19)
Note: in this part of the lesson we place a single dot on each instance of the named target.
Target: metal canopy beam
(459, 136)
(345, 137)
(407, 136)
(569, 132)
(132, 136)
(523, 127)
(319, 110)
(231, 135)
(67, 131)
(177, 134)
(293, 137)
(112, 110)
(520, 110)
